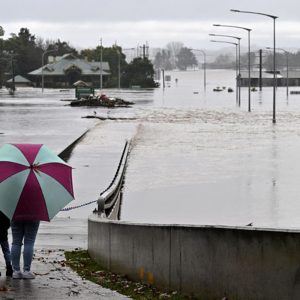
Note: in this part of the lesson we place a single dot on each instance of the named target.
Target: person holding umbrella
(4, 225)
(26, 231)
(35, 184)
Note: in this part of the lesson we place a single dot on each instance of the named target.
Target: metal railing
(109, 200)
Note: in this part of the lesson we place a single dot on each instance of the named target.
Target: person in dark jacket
(4, 225)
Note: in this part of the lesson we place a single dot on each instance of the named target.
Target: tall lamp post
(13, 87)
(119, 68)
(101, 68)
(249, 74)
(45, 52)
(204, 65)
(274, 53)
(236, 52)
(287, 68)
(239, 64)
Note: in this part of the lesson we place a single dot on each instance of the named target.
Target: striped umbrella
(35, 184)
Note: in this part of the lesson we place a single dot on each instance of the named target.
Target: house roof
(19, 79)
(68, 62)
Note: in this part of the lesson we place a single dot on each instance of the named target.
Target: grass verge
(87, 268)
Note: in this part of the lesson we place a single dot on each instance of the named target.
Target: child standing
(4, 225)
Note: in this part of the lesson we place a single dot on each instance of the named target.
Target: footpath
(55, 280)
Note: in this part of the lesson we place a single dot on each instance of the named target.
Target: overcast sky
(133, 22)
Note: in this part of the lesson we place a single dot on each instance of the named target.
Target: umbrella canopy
(35, 184)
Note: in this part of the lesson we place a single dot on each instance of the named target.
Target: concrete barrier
(208, 262)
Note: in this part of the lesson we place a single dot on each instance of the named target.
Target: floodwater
(196, 158)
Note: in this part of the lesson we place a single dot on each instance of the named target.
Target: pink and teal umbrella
(35, 184)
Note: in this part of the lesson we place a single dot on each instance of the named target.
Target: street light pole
(236, 53)
(204, 65)
(204, 68)
(101, 68)
(45, 52)
(119, 69)
(287, 74)
(249, 71)
(274, 54)
(13, 86)
(249, 75)
(239, 64)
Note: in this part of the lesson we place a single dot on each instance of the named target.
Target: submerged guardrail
(109, 201)
(67, 152)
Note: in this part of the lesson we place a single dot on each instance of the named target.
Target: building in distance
(64, 71)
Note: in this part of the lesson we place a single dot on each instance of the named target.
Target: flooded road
(196, 158)
(217, 168)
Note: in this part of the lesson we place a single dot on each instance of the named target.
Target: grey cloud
(118, 10)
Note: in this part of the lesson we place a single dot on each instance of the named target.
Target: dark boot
(9, 271)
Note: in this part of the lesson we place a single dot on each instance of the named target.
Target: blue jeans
(6, 252)
(27, 231)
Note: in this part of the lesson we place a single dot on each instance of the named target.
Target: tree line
(227, 61)
(175, 56)
(22, 53)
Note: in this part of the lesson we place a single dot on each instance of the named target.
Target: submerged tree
(139, 72)
(174, 49)
(162, 60)
(185, 59)
(175, 56)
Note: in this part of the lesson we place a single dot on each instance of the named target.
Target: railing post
(101, 204)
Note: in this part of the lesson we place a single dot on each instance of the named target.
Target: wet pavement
(55, 280)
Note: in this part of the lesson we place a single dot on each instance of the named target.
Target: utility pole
(260, 69)
(145, 50)
(101, 64)
(13, 88)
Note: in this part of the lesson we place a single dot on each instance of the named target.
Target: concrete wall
(210, 262)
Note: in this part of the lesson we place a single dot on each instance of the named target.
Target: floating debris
(103, 100)
(217, 89)
(108, 118)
